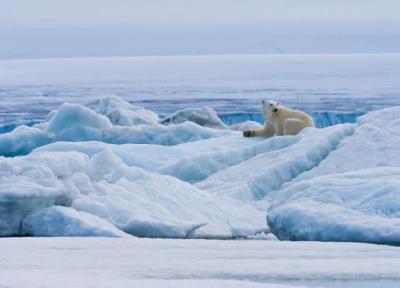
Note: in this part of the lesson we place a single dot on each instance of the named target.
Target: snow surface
(339, 183)
(134, 262)
(191, 161)
(255, 178)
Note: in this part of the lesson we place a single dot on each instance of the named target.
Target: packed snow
(353, 195)
(136, 262)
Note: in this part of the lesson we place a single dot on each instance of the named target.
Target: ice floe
(205, 116)
(22, 140)
(353, 195)
(123, 113)
(67, 222)
(76, 123)
(135, 201)
(31, 183)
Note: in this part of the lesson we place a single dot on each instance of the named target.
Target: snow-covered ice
(22, 140)
(360, 206)
(151, 205)
(183, 180)
(135, 262)
(76, 123)
(353, 195)
(138, 202)
(255, 178)
(31, 183)
(123, 113)
(160, 134)
(191, 161)
(205, 116)
(67, 222)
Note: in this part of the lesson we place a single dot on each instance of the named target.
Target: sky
(45, 13)
(108, 28)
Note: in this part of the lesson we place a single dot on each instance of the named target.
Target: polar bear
(280, 120)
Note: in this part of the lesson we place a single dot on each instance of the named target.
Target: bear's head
(269, 108)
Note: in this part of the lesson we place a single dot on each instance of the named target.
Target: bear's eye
(270, 105)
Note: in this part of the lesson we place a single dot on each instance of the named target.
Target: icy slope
(373, 144)
(255, 178)
(353, 195)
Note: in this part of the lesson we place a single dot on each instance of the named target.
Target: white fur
(281, 120)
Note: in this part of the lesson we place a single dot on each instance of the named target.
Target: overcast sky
(134, 12)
